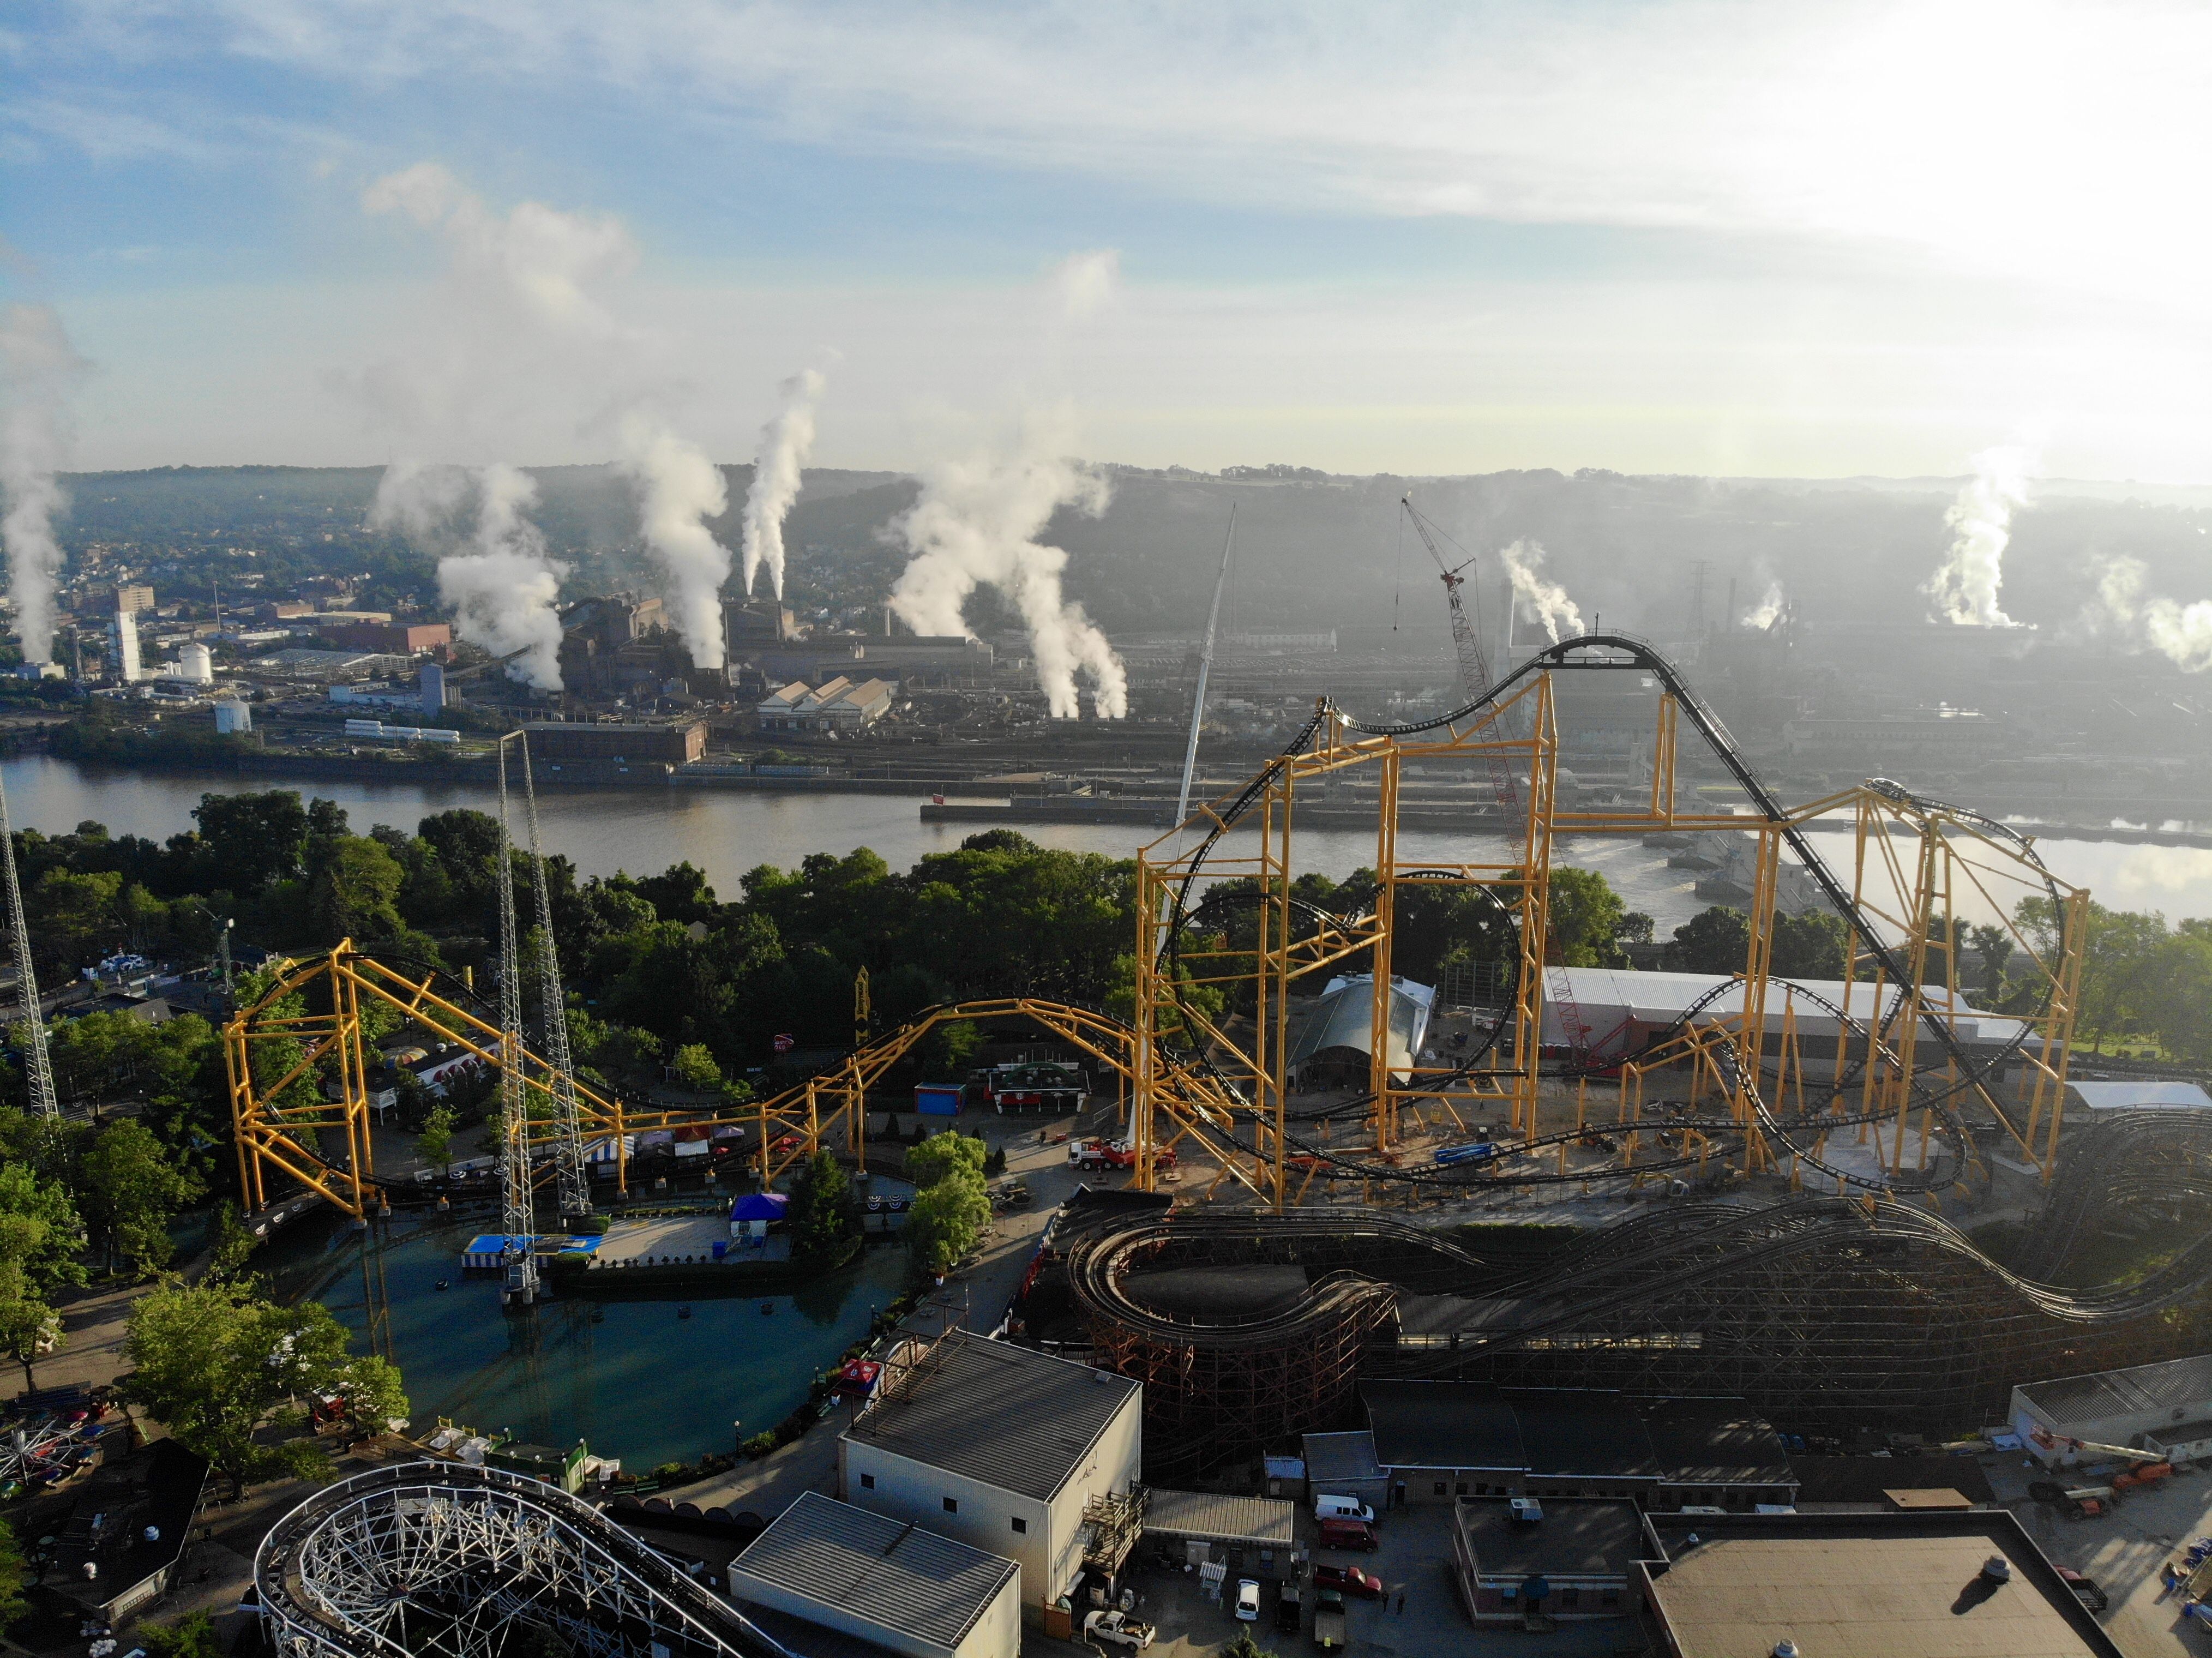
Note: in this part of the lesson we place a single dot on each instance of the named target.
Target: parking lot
(1415, 1562)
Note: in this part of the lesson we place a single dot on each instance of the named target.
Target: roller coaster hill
(1810, 1151)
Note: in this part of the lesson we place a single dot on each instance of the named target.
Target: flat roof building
(123, 1540)
(1568, 1556)
(883, 1580)
(1860, 1586)
(1007, 1449)
(2164, 1407)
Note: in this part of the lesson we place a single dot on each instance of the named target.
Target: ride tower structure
(518, 1218)
(572, 1175)
(30, 1011)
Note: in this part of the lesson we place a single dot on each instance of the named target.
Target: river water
(728, 832)
(630, 1377)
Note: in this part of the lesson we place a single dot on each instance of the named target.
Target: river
(728, 832)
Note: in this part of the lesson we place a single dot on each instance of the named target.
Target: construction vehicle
(2067, 1447)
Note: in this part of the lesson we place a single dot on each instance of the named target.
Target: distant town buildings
(130, 601)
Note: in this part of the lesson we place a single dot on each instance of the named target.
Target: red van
(1347, 1534)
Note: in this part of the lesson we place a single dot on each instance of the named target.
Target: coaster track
(453, 1560)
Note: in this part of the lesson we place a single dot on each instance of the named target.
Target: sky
(1810, 240)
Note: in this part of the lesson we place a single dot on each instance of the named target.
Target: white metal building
(885, 1580)
(1001, 1447)
(2167, 1408)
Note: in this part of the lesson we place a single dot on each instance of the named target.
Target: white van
(1342, 1508)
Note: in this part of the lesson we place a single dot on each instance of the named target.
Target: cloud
(2076, 124)
(1086, 283)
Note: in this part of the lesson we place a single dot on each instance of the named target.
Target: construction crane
(517, 1260)
(1467, 636)
(572, 1176)
(44, 1101)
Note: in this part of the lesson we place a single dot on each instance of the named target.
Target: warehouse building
(1006, 1450)
(2166, 1408)
(828, 1565)
(563, 743)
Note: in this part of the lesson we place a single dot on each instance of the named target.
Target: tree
(374, 1395)
(1716, 941)
(1585, 917)
(12, 1602)
(1809, 946)
(132, 1189)
(232, 1247)
(943, 1155)
(435, 1142)
(353, 890)
(251, 841)
(824, 1219)
(695, 1069)
(191, 1635)
(221, 1367)
(2176, 1000)
(1995, 942)
(947, 1218)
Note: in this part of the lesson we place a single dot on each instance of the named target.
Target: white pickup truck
(1117, 1628)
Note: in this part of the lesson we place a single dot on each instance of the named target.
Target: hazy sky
(1794, 239)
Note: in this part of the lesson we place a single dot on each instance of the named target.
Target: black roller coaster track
(1970, 1072)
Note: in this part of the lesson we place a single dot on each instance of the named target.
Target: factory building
(392, 638)
(1006, 1450)
(559, 744)
(827, 1565)
(839, 705)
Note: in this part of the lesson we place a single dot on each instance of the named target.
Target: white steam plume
(502, 585)
(2180, 633)
(678, 488)
(38, 368)
(1965, 586)
(785, 442)
(1087, 283)
(1768, 611)
(977, 521)
(1546, 601)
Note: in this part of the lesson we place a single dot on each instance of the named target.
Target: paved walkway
(976, 1299)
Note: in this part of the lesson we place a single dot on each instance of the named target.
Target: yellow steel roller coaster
(1227, 944)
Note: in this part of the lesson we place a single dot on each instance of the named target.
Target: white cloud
(2033, 137)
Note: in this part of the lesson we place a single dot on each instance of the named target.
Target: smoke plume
(2180, 633)
(38, 368)
(1768, 610)
(678, 488)
(785, 442)
(1544, 601)
(501, 585)
(1086, 283)
(977, 521)
(1965, 586)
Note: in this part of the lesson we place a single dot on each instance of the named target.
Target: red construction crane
(1467, 636)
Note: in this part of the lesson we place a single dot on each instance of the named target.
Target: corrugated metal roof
(2177, 1384)
(1005, 1416)
(1442, 1425)
(882, 1570)
(1343, 1016)
(1265, 1520)
(2142, 1095)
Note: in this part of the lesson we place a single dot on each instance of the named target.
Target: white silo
(196, 664)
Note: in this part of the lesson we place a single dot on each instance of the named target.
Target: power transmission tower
(572, 1177)
(517, 1252)
(43, 1099)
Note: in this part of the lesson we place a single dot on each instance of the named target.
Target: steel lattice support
(30, 1016)
(517, 1217)
(571, 1175)
(444, 1558)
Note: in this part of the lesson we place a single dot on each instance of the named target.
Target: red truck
(1115, 1154)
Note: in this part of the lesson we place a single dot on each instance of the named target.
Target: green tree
(224, 1368)
(353, 890)
(1809, 946)
(1585, 917)
(251, 840)
(132, 1189)
(233, 1246)
(13, 1570)
(435, 1142)
(943, 1155)
(2177, 997)
(694, 1067)
(1996, 944)
(824, 1217)
(947, 1218)
(1716, 941)
(39, 1237)
(191, 1635)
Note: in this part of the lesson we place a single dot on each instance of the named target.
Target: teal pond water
(629, 1377)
